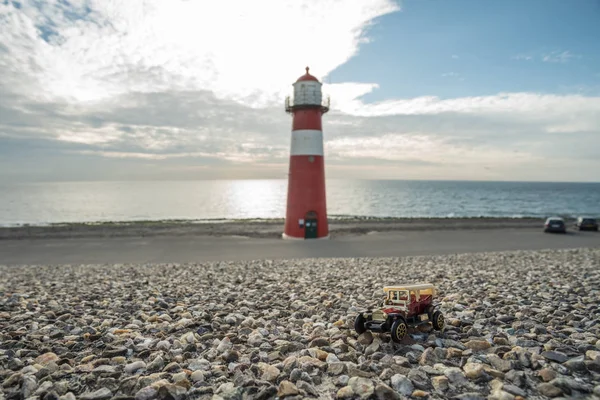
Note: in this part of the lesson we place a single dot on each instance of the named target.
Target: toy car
(402, 306)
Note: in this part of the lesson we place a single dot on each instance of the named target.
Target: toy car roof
(415, 286)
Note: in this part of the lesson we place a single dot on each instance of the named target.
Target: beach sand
(271, 228)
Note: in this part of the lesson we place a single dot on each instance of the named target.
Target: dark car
(586, 224)
(555, 224)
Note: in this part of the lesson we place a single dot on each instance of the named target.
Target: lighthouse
(306, 213)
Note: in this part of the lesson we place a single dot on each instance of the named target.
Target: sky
(194, 89)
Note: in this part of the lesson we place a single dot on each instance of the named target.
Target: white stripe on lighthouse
(307, 142)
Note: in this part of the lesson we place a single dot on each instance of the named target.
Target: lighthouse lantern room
(306, 212)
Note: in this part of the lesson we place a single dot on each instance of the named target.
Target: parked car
(586, 224)
(555, 224)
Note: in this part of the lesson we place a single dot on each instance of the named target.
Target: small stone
(576, 364)
(500, 395)
(197, 376)
(342, 380)
(365, 338)
(172, 367)
(428, 357)
(28, 386)
(547, 389)
(455, 376)
(547, 374)
(569, 384)
(336, 368)
(172, 392)
(499, 363)
(319, 342)
(134, 366)
(402, 384)
(362, 387)
(180, 377)
(372, 348)
(100, 394)
(46, 358)
(419, 393)
(500, 341)
(270, 373)
(163, 345)
(440, 383)
(384, 392)
(307, 388)
(104, 369)
(146, 393)
(345, 393)
(478, 345)
(287, 388)
(115, 352)
(225, 345)
(592, 355)
(555, 356)
(515, 390)
(156, 364)
(473, 370)
(469, 396)
(52, 395)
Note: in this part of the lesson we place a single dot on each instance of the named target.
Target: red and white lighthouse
(306, 214)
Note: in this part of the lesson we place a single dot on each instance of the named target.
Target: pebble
(361, 387)
(402, 384)
(287, 388)
(134, 366)
(520, 325)
(547, 389)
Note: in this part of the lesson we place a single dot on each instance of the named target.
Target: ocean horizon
(43, 203)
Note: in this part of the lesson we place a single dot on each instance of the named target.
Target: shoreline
(261, 228)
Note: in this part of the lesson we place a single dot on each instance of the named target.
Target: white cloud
(555, 56)
(559, 56)
(187, 85)
(522, 57)
(237, 49)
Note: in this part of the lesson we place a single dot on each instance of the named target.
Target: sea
(221, 200)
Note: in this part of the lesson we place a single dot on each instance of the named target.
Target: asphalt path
(189, 249)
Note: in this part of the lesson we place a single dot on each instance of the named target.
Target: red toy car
(402, 306)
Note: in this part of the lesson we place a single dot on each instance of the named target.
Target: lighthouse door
(310, 225)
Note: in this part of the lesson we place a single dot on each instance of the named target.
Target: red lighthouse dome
(307, 77)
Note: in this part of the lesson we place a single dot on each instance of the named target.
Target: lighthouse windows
(311, 159)
(307, 93)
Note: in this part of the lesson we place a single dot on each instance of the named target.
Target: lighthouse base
(287, 237)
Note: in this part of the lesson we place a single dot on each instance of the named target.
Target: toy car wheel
(399, 330)
(359, 324)
(438, 321)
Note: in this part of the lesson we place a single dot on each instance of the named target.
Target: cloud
(103, 90)
(555, 56)
(559, 57)
(235, 49)
(522, 57)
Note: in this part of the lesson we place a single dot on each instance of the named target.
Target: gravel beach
(521, 325)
